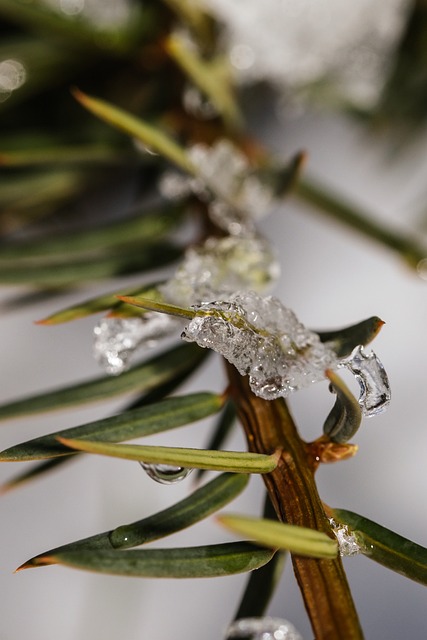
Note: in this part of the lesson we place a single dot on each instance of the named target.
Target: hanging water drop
(265, 628)
(373, 381)
(165, 473)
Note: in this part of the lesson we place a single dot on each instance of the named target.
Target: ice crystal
(262, 339)
(221, 266)
(347, 540)
(117, 338)
(373, 381)
(264, 628)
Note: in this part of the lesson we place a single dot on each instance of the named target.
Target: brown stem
(293, 492)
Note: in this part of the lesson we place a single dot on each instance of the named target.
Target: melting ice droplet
(372, 378)
(347, 541)
(117, 338)
(265, 628)
(165, 473)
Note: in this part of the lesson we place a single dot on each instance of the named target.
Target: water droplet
(72, 7)
(122, 537)
(373, 381)
(242, 57)
(165, 473)
(227, 217)
(422, 269)
(262, 339)
(12, 76)
(173, 185)
(116, 339)
(196, 104)
(264, 628)
(143, 148)
(101, 14)
(347, 540)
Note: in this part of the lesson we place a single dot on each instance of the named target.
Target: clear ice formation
(265, 340)
(264, 628)
(116, 339)
(165, 473)
(347, 541)
(259, 336)
(221, 266)
(262, 339)
(373, 381)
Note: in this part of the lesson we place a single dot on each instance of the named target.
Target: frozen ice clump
(262, 339)
(374, 385)
(235, 195)
(220, 267)
(116, 339)
(240, 197)
(264, 628)
(347, 541)
(210, 271)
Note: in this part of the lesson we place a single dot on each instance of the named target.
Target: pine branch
(268, 426)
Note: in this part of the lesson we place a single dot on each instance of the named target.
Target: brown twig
(268, 426)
